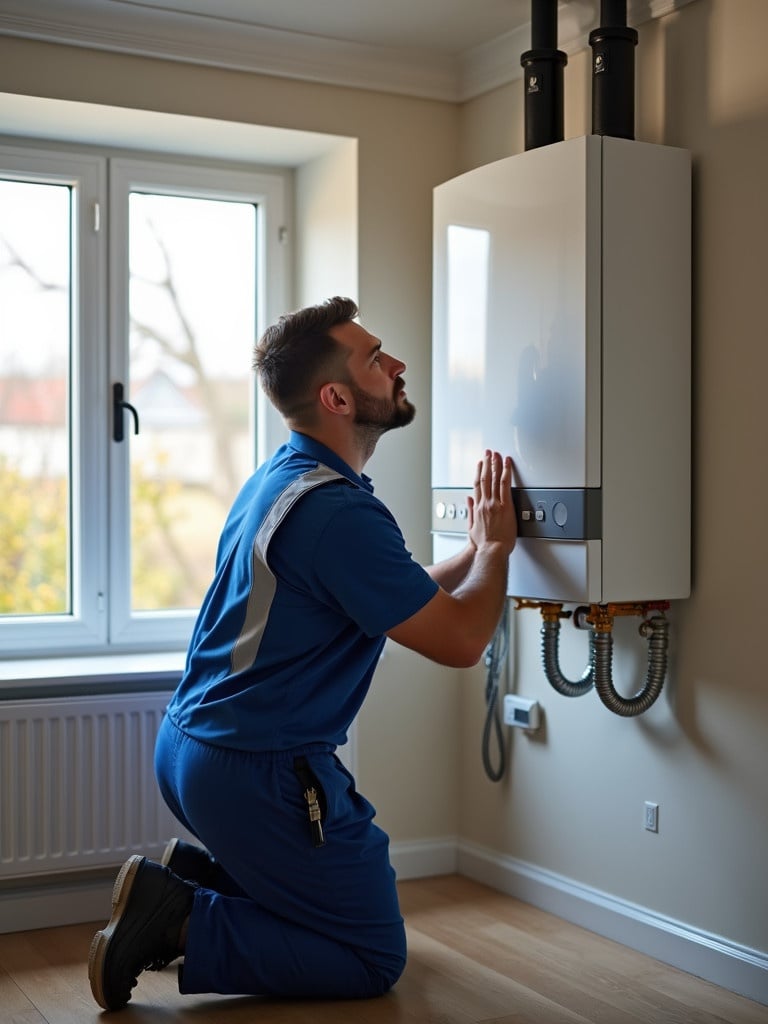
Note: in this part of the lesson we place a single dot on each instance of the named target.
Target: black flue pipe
(613, 12)
(543, 24)
(613, 72)
(543, 78)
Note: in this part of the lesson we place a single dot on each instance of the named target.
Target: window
(131, 292)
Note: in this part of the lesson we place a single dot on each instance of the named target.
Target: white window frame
(85, 627)
(101, 621)
(171, 629)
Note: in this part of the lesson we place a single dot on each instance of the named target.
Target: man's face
(375, 381)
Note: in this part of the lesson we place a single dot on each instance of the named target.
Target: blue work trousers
(283, 917)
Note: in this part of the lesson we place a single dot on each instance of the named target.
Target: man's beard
(378, 415)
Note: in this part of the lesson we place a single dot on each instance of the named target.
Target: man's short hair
(297, 354)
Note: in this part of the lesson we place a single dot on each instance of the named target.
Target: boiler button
(526, 515)
(560, 513)
(440, 510)
(463, 512)
(451, 510)
(540, 515)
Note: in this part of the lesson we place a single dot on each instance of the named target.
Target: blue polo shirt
(311, 572)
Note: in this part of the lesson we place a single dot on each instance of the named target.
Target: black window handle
(118, 406)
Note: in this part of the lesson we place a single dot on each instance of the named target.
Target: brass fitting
(601, 616)
(550, 610)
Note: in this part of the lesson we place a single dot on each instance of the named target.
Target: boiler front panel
(514, 321)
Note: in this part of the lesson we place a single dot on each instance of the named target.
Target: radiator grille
(77, 786)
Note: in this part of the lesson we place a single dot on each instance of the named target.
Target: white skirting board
(50, 905)
(425, 858)
(700, 953)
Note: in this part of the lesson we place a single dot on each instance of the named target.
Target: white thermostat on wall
(521, 711)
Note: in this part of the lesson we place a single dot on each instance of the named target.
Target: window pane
(192, 320)
(35, 301)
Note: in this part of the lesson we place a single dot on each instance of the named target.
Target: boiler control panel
(547, 513)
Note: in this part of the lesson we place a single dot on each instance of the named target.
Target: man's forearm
(455, 628)
(451, 572)
(484, 588)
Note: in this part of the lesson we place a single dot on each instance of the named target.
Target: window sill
(46, 677)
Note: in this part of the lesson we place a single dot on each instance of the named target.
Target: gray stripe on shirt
(263, 584)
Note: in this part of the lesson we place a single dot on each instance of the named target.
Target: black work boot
(149, 908)
(190, 862)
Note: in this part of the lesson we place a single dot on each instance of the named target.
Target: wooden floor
(475, 957)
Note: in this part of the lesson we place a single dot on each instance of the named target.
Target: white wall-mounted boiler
(562, 298)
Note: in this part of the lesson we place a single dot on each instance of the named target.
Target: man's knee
(384, 969)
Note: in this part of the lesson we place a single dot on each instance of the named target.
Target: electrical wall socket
(651, 816)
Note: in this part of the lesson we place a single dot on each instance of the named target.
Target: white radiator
(77, 786)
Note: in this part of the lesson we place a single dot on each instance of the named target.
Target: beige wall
(573, 800)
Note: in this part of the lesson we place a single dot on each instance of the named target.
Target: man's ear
(335, 399)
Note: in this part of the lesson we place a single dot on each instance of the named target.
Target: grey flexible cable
(495, 657)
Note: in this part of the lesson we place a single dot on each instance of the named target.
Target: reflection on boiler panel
(467, 251)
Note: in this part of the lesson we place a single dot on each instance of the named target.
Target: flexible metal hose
(601, 645)
(550, 653)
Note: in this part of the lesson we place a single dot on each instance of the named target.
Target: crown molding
(196, 39)
(153, 32)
